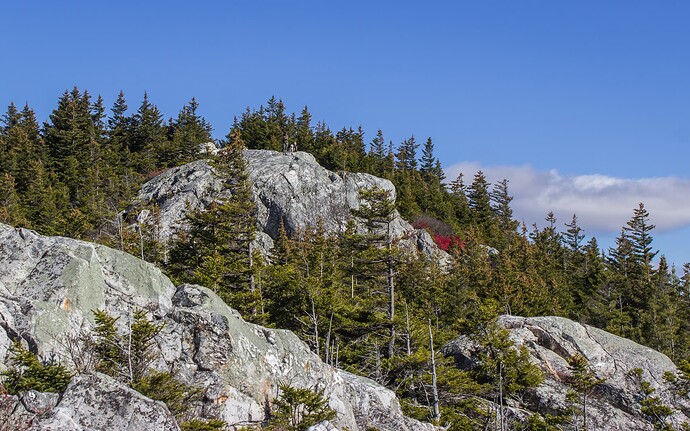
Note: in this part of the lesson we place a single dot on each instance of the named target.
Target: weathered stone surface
(292, 188)
(323, 426)
(551, 341)
(51, 285)
(38, 402)
(97, 402)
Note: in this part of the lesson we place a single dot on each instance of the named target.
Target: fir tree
(218, 239)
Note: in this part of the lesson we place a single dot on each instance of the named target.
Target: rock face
(292, 188)
(50, 285)
(614, 405)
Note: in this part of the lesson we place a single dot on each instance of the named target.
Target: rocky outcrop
(97, 402)
(49, 287)
(615, 404)
(289, 188)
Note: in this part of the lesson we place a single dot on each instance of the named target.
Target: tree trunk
(315, 323)
(252, 282)
(437, 413)
(391, 294)
(407, 336)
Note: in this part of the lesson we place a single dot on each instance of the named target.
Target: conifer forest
(361, 302)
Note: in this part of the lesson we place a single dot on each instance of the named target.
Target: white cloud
(603, 204)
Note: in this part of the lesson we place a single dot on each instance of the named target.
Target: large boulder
(615, 404)
(49, 287)
(292, 189)
(97, 402)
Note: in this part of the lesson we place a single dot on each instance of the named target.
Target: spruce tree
(148, 137)
(501, 207)
(304, 132)
(460, 203)
(407, 155)
(217, 239)
(20, 144)
(8, 151)
(376, 210)
(276, 122)
(638, 231)
(428, 160)
(70, 141)
(11, 211)
(189, 131)
(479, 201)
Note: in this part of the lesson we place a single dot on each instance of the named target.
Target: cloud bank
(603, 204)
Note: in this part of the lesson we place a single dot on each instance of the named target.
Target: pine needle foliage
(297, 409)
(28, 372)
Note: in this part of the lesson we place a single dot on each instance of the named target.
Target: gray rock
(38, 402)
(51, 285)
(551, 341)
(292, 188)
(323, 426)
(13, 414)
(99, 403)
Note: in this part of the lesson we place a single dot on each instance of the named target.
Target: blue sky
(580, 104)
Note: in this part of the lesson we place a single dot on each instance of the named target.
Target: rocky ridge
(289, 188)
(49, 287)
(615, 404)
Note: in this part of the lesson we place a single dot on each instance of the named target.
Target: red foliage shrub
(444, 242)
(432, 224)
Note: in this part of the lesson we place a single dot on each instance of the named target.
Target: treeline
(356, 297)
(73, 174)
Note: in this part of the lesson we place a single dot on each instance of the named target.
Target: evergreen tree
(278, 134)
(46, 200)
(659, 320)
(189, 131)
(148, 138)
(502, 210)
(347, 152)
(584, 380)
(407, 155)
(20, 144)
(305, 134)
(119, 123)
(479, 201)
(11, 211)
(378, 161)
(618, 288)
(377, 148)
(218, 239)
(8, 157)
(70, 139)
(377, 210)
(428, 160)
(460, 203)
(637, 230)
